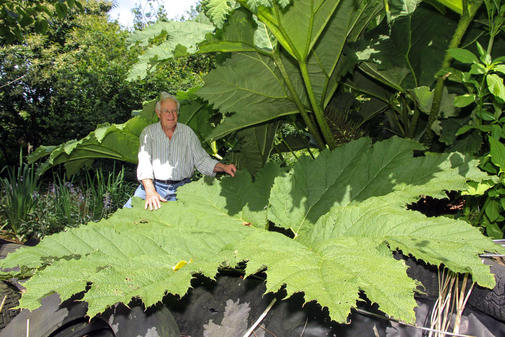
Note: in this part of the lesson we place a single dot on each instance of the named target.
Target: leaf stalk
(306, 118)
(466, 18)
(321, 121)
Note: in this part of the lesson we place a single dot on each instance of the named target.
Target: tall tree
(61, 84)
(18, 17)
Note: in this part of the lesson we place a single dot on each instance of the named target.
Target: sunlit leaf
(495, 86)
(141, 254)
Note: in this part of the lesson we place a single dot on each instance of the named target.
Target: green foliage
(486, 208)
(249, 85)
(289, 62)
(73, 78)
(299, 76)
(61, 204)
(218, 10)
(411, 54)
(254, 146)
(69, 79)
(485, 91)
(17, 17)
(116, 141)
(481, 122)
(166, 40)
(18, 190)
(402, 59)
(347, 209)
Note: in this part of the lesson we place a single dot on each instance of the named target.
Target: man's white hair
(164, 96)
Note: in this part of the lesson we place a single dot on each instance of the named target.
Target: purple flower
(107, 201)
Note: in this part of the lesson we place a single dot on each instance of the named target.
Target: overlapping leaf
(133, 253)
(298, 29)
(410, 53)
(240, 33)
(348, 213)
(254, 145)
(183, 35)
(218, 10)
(358, 171)
(115, 141)
(254, 83)
(250, 85)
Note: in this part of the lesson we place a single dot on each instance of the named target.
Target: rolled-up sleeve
(203, 162)
(145, 168)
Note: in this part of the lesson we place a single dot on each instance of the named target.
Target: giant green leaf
(360, 171)
(112, 141)
(298, 28)
(314, 32)
(249, 85)
(254, 145)
(349, 20)
(343, 250)
(181, 34)
(410, 52)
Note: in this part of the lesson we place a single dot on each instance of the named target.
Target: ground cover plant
(31, 209)
(18, 196)
(346, 211)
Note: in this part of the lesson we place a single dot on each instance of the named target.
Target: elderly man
(168, 154)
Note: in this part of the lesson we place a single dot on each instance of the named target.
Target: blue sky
(122, 11)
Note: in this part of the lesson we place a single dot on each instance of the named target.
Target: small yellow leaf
(181, 264)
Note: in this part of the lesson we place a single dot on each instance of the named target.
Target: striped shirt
(172, 159)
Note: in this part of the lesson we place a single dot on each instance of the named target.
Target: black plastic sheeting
(231, 305)
(227, 308)
(68, 319)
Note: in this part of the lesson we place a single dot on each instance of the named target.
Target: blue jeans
(167, 191)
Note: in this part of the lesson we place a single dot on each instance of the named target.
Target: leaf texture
(186, 34)
(113, 141)
(409, 53)
(250, 85)
(358, 171)
(348, 213)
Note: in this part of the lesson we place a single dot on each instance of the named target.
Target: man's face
(168, 114)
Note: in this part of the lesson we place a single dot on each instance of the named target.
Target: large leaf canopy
(258, 84)
(347, 209)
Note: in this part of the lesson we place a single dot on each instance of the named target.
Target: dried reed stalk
(450, 304)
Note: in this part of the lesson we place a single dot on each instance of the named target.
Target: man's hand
(153, 198)
(153, 201)
(227, 168)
